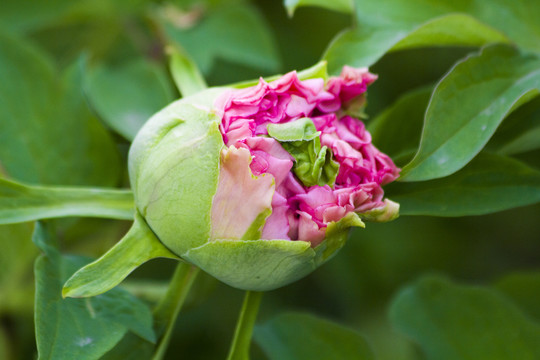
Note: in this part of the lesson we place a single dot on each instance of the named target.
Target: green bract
(174, 167)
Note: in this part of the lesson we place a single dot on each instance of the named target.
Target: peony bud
(258, 186)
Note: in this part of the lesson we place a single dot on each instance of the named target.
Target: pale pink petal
(240, 195)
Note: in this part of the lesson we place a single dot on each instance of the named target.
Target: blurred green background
(111, 56)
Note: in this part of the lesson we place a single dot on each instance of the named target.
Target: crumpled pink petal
(299, 212)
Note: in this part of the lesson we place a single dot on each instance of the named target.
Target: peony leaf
(488, 184)
(125, 96)
(365, 45)
(467, 106)
(67, 145)
(136, 247)
(20, 203)
(80, 328)
(292, 336)
(452, 321)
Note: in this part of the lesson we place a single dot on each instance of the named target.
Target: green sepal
(256, 265)
(263, 265)
(313, 164)
(135, 248)
(255, 230)
(336, 235)
(388, 212)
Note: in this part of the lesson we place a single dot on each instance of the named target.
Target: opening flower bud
(258, 186)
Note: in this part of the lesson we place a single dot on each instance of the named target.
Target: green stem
(244, 328)
(167, 310)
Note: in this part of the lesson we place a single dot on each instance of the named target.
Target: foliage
(457, 106)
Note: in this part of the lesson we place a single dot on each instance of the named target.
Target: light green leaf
(237, 33)
(136, 247)
(524, 289)
(79, 328)
(20, 203)
(47, 133)
(520, 132)
(185, 73)
(345, 6)
(452, 321)
(292, 336)
(488, 184)
(127, 95)
(396, 131)
(466, 108)
(365, 45)
(313, 165)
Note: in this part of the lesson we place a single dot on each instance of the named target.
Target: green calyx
(313, 164)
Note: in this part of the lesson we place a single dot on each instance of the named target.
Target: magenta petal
(277, 224)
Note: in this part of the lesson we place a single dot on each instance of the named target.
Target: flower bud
(259, 186)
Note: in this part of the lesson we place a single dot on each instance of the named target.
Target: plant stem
(244, 328)
(167, 310)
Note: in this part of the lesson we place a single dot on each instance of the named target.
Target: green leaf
(452, 321)
(365, 45)
(396, 131)
(488, 184)
(466, 108)
(127, 95)
(185, 73)
(524, 289)
(47, 133)
(313, 164)
(136, 247)
(237, 33)
(79, 328)
(345, 6)
(388, 25)
(20, 203)
(292, 336)
(16, 260)
(520, 132)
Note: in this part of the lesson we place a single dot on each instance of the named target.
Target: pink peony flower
(301, 212)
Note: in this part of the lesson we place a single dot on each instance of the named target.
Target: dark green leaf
(126, 96)
(79, 328)
(524, 289)
(396, 131)
(452, 321)
(293, 336)
(237, 33)
(20, 203)
(47, 133)
(488, 184)
(520, 132)
(467, 106)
